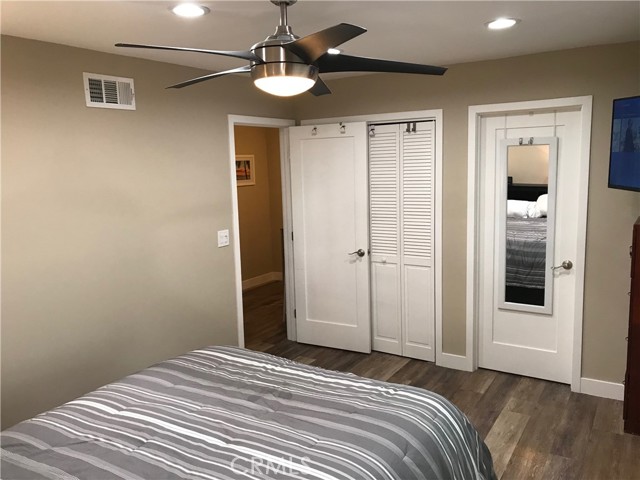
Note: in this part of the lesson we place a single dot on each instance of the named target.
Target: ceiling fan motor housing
(278, 61)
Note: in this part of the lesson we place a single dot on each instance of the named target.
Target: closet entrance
(401, 214)
(365, 234)
(331, 235)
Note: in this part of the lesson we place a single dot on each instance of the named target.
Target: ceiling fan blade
(245, 69)
(315, 45)
(319, 88)
(237, 54)
(347, 63)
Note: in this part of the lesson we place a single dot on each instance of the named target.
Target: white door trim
(584, 104)
(443, 359)
(282, 124)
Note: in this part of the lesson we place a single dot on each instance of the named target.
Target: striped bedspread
(526, 252)
(227, 413)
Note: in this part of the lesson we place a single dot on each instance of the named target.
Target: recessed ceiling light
(190, 10)
(501, 23)
(334, 51)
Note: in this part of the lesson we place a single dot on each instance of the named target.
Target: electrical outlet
(223, 238)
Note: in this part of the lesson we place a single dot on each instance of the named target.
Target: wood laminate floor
(535, 429)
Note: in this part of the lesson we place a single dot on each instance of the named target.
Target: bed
(526, 252)
(226, 413)
(526, 244)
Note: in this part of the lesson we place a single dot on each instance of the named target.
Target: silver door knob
(567, 265)
(359, 252)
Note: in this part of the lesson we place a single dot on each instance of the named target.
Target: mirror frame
(501, 223)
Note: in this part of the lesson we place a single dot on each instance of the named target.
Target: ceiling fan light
(284, 79)
(189, 10)
(284, 86)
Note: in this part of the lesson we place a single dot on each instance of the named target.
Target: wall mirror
(526, 199)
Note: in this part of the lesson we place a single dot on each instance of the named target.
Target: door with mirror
(528, 243)
(525, 223)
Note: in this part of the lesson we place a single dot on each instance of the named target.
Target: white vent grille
(104, 91)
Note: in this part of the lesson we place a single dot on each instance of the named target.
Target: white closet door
(384, 194)
(401, 166)
(329, 213)
(417, 217)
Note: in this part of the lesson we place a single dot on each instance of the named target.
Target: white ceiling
(436, 33)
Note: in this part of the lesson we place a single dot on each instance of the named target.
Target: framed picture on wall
(245, 170)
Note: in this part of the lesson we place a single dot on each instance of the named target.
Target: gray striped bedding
(227, 413)
(526, 252)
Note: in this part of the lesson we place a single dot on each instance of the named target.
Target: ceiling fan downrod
(283, 28)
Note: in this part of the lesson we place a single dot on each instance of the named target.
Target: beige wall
(528, 164)
(606, 72)
(260, 205)
(109, 220)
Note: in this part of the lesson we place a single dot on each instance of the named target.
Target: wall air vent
(104, 91)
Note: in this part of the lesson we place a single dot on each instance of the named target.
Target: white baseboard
(589, 386)
(261, 280)
(600, 388)
(457, 362)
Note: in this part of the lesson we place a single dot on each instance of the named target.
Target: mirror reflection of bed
(526, 232)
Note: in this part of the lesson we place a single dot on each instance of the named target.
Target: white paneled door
(527, 276)
(331, 235)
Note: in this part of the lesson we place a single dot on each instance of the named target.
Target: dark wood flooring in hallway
(535, 429)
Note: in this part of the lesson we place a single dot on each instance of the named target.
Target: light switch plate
(223, 238)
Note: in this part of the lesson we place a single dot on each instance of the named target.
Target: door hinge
(292, 236)
(294, 313)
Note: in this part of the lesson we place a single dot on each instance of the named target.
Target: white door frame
(282, 124)
(442, 359)
(476, 112)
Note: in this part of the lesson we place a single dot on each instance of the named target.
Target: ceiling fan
(285, 64)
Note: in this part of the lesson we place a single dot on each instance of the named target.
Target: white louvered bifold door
(416, 216)
(384, 198)
(401, 165)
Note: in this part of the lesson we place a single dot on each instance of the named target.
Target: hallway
(264, 325)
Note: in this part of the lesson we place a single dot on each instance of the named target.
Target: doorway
(528, 180)
(259, 191)
(259, 202)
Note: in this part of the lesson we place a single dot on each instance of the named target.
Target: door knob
(567, 265)
(359, 252)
